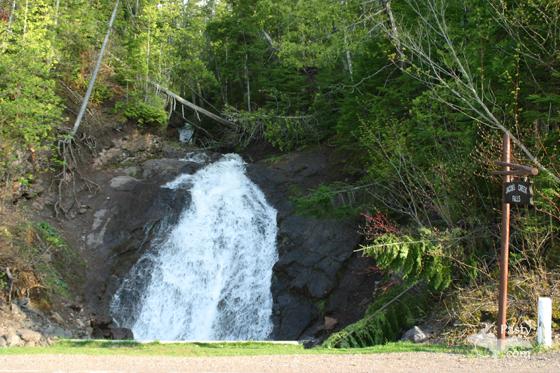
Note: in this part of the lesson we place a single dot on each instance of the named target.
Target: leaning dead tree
(190, 105)
(95, 72)
(452, 81)
(68, 147)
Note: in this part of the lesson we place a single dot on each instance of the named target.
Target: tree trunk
(190, 105)
(347, 51)
(393, 30)
(56, 10)
(95, 72)
(348, 58)
(147, 76)
(247, 82)
(11, 19)
(25, 16)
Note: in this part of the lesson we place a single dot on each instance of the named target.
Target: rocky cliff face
(130, 211)
(319, 283)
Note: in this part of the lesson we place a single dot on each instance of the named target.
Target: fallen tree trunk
(192, 106)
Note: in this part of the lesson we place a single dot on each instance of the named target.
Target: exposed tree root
(69, 152)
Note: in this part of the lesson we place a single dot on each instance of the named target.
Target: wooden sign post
(504, 251)
(514, 192)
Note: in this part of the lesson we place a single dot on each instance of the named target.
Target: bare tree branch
(451, 72)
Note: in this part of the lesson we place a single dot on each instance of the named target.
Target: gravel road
(393, 362)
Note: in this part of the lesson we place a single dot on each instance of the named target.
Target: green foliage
(101, 93)
(3, 284)
(287, 133)
(39, 248)
(284, 133)
(29, 105)
(64, 266)
(51, 236)
(424, 258)
(325, 202)
(150, 112)
(385, 319)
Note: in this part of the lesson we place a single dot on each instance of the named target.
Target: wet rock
(122, 229)
(293, 314)
(415, 335)
(104, 328)
(96, 236)
(101, 327)
(162, 167)
(123, 183)
(330, 323)
(133, 171)
(311, 342)
(353, 292)
(121, 333)
(313, 252)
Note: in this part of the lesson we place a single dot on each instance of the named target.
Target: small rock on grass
(415, 335)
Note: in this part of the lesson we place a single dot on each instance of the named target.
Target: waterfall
(209, 278)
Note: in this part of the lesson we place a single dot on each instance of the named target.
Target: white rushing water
(210, 278)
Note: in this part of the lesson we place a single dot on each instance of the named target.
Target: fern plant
(385, 319)
(427, 257)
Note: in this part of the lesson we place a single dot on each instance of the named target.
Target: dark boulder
(104, 328)
(314, 253)
(121, 333)
(292, 314)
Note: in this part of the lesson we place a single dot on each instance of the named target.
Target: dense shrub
(145, 112)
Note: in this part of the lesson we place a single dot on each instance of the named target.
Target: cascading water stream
(210, 277)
